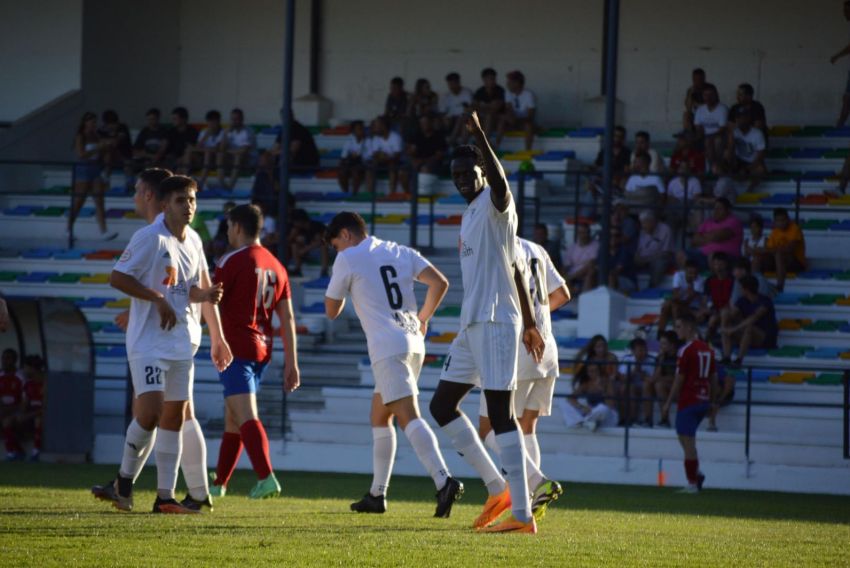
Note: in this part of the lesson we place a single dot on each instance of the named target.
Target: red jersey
(254, 282)
(696, 364)
(34, 393)
(11, 388)
(719, 290)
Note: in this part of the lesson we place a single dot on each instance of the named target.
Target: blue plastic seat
(824, 353)
(36, 277)
(318, 283)
(92, 303)
(315, 308)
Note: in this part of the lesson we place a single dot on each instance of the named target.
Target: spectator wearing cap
(580, 260)
(745, 151)
(453, 104)
(722, 233)
(489, 101)
(711, 120)
(784, 249)
(654, 247)
(643, 187)
(643, 146)
(693, 98)
(520, 110)
(751, 323)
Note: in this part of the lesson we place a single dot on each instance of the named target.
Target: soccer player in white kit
(163, 270)
(379, 277)
(496, 315)
(535, 380)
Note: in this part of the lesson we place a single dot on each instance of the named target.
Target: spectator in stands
(722, 233)
(88, 180)
(593, 188)
(683, 190)
(383, 151)
(688, 296)
(718, 287)
(784, 250)
(746, 105)
(180, 141)
(541, 237)
(845, 104)
(751, 323)
(238, 149)
(489, 101)
(596, 354)
(642, 187)
(711, 120)
(745, 151)
(306, 238)
(220, 244)
(395, 107)
(209, 142)
(151, 142)
(755, 241)
(740, 270)
(351, 167)
(693, 98)
(621, 253)
(598, 391)
(520, 110)
(686, 150)
(117, 149)
(303, 158)
(428, 148)
(657, 386)
(453, 105)
(724, 185)
(636, 368)
(29, 418)
(580, 260)
(654, 247)
(642, 146)
(423, 101)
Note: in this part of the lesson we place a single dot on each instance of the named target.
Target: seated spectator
(723, 397)
(718, 287)
(180, 141)
(11, 393)
(755, 241)
(116, 147)
(593, 188)
(657, 386)
(693, 98)
(654, 247)
(151, 142)
(351, 167)
(303, 158)
(711, 124)
(724, 185)
(642, 146)
(395, 107)
(746, 104)
(598, 392)
(688, 296)
(29, 419)
(383, 152)
(751, 323)
(722, 233)
(306, 238)
(683, 190)
(687, 151)
(220, 245)
(580, 260)
(541, 237)
(237, 150)
(489, 101)
(621, 254)
(423, 101)
(746, 150)
(635, 370)
(520, 110)
(642, 187)
(784, 250)
(453, 105)
(427, 148)
(740, 270)
(209, 142)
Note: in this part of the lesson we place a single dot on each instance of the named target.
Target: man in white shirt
(642, 146)
(495, 308)
(237, 150)
(163, 270)
(383, 152)
(746, 150)
(711, 123)
(379, 277)
(535, 380)
(520, 109)
(351, 161)
(655, 247)
(643, 188)
(688, 295)
(452, 106)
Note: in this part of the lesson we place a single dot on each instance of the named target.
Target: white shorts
(174, 378)
(396, 376)
(535, 394)
(484, 355)
(528, 368)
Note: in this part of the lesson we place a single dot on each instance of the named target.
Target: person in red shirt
(11, 392)
(255, 286)
(718, 287)
(694, 387)
(28, 421)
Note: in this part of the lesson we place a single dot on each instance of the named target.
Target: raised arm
(291, 372)
(496, 178)
(438, 285)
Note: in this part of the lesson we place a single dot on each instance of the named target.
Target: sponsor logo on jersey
(465, 250)
(170, 276)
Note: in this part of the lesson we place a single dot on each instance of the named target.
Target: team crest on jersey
(125, 256)
(170, 279)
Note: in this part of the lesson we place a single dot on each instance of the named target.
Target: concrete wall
(39, 53)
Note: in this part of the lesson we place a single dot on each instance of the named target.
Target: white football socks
(138, 444)
(514, 461)
(532, 448)
(193, 462)
(169, 446)
(465, 440)
(424, 443)
(383, 457)
(533, 474)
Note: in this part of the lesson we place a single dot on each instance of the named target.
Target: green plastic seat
(826, 379)
(66, 278)
(9, 276)
(821, 299)
(448, 312)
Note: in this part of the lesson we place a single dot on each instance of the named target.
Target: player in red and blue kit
(30, 417)
(255, 286)
(11, 392)
(694, 385)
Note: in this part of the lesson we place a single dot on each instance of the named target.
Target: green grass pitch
(48, 518)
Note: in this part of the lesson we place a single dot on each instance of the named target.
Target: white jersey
(159, 261)
(379, 277)
(542, 279)
(487, 254)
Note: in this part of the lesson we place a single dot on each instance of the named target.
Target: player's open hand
(534, 343)
(122, 320)
(473, 124)
(167, 317)
(221, 355)
(291, 377)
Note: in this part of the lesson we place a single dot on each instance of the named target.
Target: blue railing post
(749, 417)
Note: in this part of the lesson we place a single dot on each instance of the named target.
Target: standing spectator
(237, 150)
(642, 187)
(845, 104)
(11, 393)
(784, 250)
(88, 180)
(580, 260)
(29, 419)
(642, 146)
(711, 123)
(683, 190)
(686, 151)
(520, 110)
(688, 296)
(395, 107)
(383, 151)
(693, 98)
(747, 105)
(423, 101)
(635, 370)
(593, 188)
(351, 168)
(718, 287)
(750, 323)
(209, 142)
(654, 248)
(428, 148)
(722, 233)
(117, 149)
(151, 142)
(754, 243)
(541, 237)
(452, 106)
(180, 141)
(306, 237)
(489, 100)
(746, 150)
(657, 387)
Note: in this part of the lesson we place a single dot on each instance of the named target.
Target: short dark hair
(153, 111)
(248, 217)
(181, 112)
(642, 134)
(687, 318)
(670, 336)
(691, 263)
(34, 361)
(750, 283)
(345, 220)
(453, 76)
(721, 256)
(743, 262)
(517, 76)
(238, 111)
(643, 156)
(780, 212)
(488, 72)
(356, 123)
(12, 352)
(747, 88)
(637, 342)
(543, 226)
(153, 177)
(710, 87)
(174, 184)
(620, 128)
(724, 202)
(756, 218)
(471, 152)
(698, 71)
(109, 116)
(397, 81)
(213, 115)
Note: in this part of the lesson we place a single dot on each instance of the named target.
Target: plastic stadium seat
(790, 325)
(66, 278)
(104, 255)
(751, 198)
(315, 308)
(782, 130)
(793, 377)
(818, 175)
(447, 337)
(842, 226)
(809, 153)
(824, 326)
(10, 276)
(818, 224)
(811, 131)
(825, 353)
(779, 199)
(764, 375)
(72, 254)
(318, 283)
(450, 220)
(821, 299)
(813, 199)
(826, 379)
(95, 279)
(842, 201)
(52, 211)
(791, 351)
(91, 303)
(111, 328)
(823, 274)
(843, 302)
(448, 312)
(789, 298)
(573, 342)
(649, 294)
(36, 253)
(36, 277)
(645, 319)
(120, 304)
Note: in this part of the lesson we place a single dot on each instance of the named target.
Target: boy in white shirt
(452, 106)
(237, 150)
(383, 151)
(209, 142)
(711, 120)
(379, 277)
(520, 109)
(351, 166)
(745, 151)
